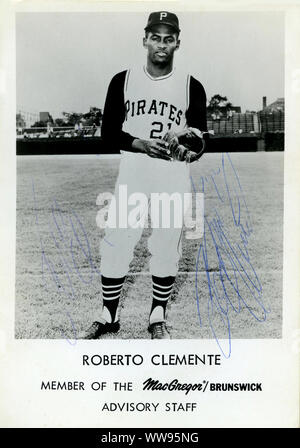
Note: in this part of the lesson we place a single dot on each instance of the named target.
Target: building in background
(20, 121)
(29, 117)
(271, 117)
(45, 116)
(276, 106)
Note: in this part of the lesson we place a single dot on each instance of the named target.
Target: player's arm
(196, 112)
(112, 134)
(114, 138)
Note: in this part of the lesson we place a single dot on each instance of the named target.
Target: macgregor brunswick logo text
(167, 211)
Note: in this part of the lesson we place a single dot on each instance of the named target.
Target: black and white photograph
(183, 109)
(149, 164)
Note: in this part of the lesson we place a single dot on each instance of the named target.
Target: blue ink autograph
(234, 273)
(66, 235)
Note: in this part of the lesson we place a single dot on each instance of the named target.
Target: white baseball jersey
(140, 106)
(155, 105)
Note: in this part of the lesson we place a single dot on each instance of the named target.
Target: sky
(65, 60)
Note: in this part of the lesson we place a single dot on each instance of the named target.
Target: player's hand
(156, 148)
(172, 138)
(187, 145)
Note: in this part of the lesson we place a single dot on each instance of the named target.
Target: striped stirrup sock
(111, 291)
(162, 288)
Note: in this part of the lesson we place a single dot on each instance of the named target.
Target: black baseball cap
(165, 17)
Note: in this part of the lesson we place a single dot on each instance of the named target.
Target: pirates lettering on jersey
(160, 108)
(153, 106)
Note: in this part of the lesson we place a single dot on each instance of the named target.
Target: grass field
(239, 267)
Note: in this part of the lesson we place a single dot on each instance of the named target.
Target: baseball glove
(187, 146)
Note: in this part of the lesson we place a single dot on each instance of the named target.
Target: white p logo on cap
(163, 15)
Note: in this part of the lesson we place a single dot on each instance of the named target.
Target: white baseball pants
(143, 174)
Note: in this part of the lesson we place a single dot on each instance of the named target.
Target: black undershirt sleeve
(196, 112)
(114, 112)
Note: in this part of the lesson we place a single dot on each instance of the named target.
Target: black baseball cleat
(97, 329)
(159, 330)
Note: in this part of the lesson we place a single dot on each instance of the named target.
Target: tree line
(218, 104)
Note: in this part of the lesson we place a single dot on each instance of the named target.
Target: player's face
(161, 42)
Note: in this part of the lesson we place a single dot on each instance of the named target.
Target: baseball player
(155, 115)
